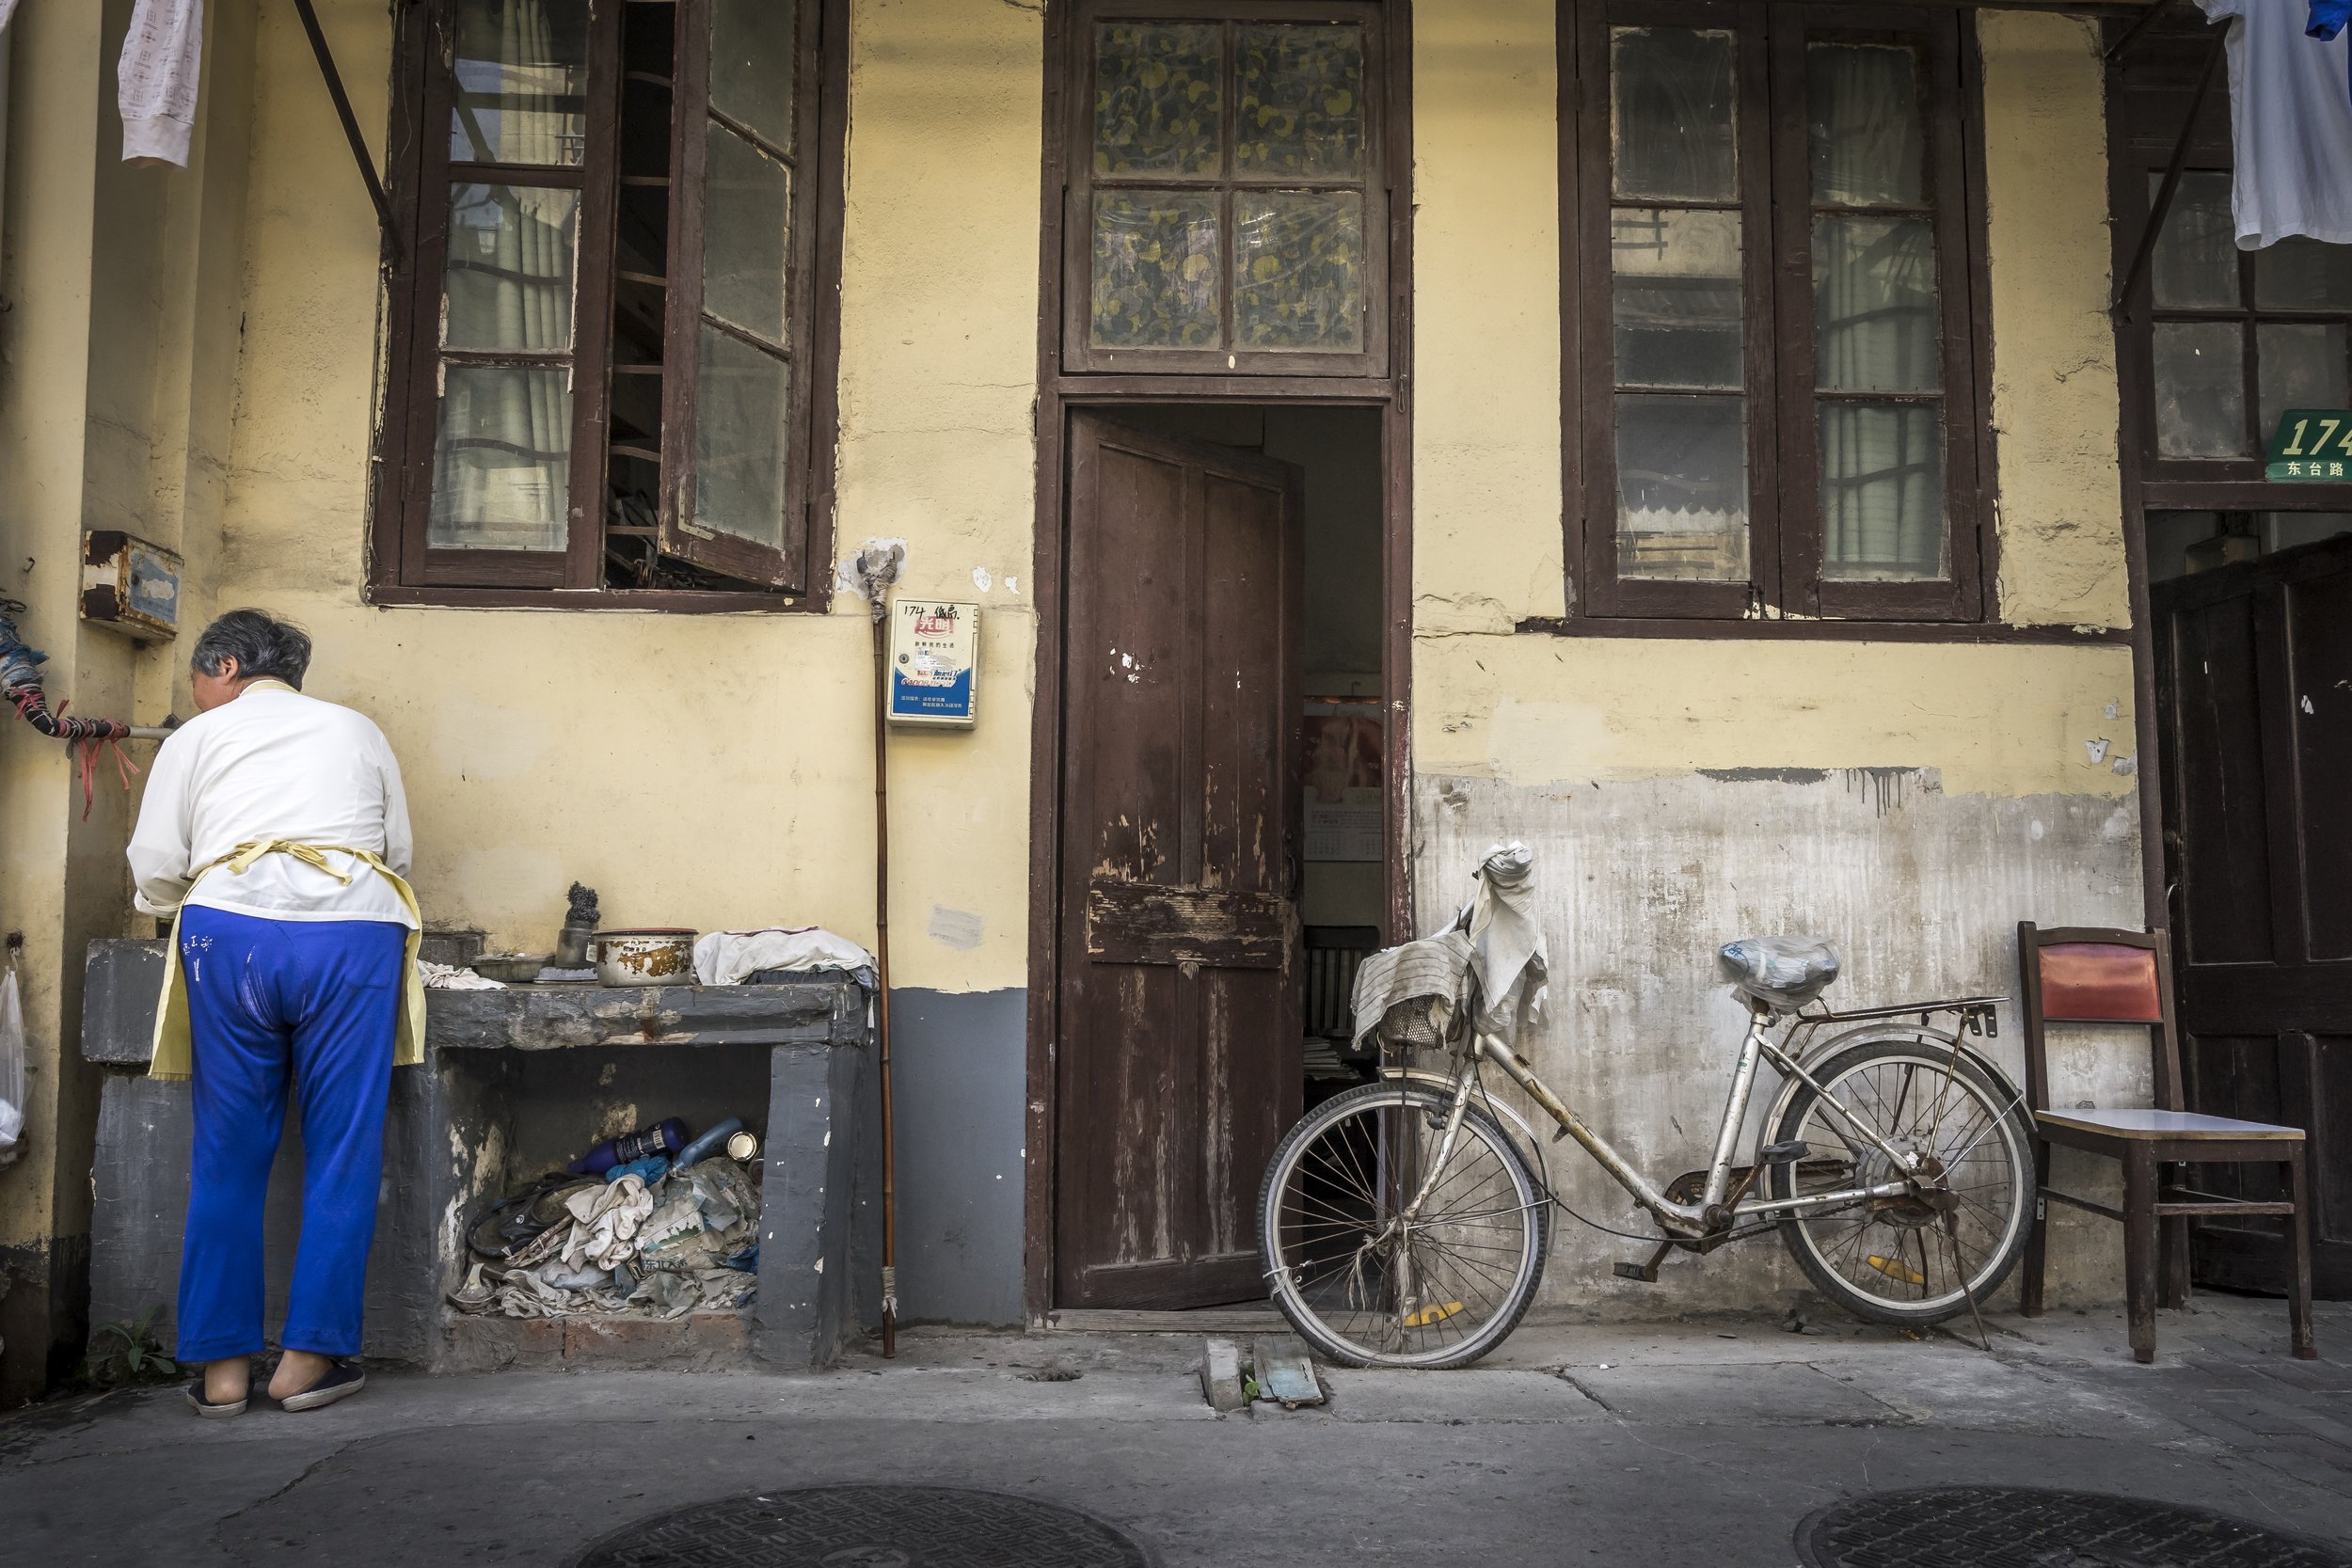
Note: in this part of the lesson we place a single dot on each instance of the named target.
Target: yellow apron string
(174, 1056)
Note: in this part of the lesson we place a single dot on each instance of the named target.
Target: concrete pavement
(1698, 1442)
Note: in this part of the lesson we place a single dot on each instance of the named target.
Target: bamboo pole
(882, 971)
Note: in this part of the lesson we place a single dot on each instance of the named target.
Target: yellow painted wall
(1488, 506)
(698, 770)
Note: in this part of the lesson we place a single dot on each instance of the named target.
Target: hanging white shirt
(162, 58)
(273, 764)
(2291, 123)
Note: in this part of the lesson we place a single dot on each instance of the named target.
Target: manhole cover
(869, 1527)
(2017, 1527)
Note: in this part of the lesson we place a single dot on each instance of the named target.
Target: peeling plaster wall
(1912, 800)
(710, 770)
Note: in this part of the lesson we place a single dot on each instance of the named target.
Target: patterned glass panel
(2200, 389)
(1882, 492)
(508, 272)
(1869, 147)
(747, 234)
(1298, 100)
(1155, 270)
(1301, 262)
(1877, 326)
(2300, 365)
(1675, 296)
(755, 52)
(1158, 99)
(742, 440)
(522, 82)
(1673, 101)
(1682, 488)
(2299, 274)
(2195, 263)
(503, 459)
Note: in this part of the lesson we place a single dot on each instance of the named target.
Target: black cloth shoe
(209, 1411)
(340, 1381)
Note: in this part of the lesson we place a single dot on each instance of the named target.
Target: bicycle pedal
(1645, 1273)
(1782, 1154)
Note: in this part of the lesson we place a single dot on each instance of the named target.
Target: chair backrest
(2091, 975)
(1334, 953)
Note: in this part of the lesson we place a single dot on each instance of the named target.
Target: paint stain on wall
(960, 929)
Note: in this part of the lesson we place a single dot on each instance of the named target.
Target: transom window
(1228, 210)
(1778, 411)
(607, 298)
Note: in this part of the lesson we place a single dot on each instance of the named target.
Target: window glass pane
(1876, 325)
(1158, 98)
(1672, 104)
(2300, 365)
(1869, 149)
(503, 459)
(1682, 488)
(2194, 266)
(747, 230)
(1675, 296)
(1298, 101)
(2302, 275)
(2200, 389)
(754, 58)
(521, 69)
(742, 440)
(1882, 492)
(1155, 270)
(1300, 265)
(508, 272)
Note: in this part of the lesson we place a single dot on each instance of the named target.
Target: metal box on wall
(934, 662)
(130, 585)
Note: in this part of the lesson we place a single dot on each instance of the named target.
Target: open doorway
(1223, 842)
(2252, 618)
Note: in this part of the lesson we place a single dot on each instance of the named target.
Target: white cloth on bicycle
(1507, 949)
(1434, 969)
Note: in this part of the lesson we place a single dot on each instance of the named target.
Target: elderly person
(274, 830)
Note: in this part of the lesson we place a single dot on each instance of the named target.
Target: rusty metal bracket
(2163, 205)
(334, 79)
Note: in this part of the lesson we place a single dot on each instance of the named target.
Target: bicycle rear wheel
(1360, 1284)
(1922, 1257)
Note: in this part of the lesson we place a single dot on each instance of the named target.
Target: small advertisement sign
(934, 662)
(1344, 769)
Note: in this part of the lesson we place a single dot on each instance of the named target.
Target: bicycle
(1405, 1223)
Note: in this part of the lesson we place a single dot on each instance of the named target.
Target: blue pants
(270, 1002)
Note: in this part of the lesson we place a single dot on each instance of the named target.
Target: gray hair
(261, 644)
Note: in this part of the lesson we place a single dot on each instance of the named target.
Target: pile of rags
(685, 1241)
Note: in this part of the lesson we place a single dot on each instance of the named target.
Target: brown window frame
(1784, 590)
(403, 568)
(2150, 90)
(1078, 355)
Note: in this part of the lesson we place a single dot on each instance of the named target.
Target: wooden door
(2254, 696)
(1178, 1057)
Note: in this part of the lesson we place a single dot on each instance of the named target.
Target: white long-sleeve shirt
(273, 764)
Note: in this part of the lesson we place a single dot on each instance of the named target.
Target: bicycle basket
(1419, 1023)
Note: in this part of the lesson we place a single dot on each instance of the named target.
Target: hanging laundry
(7, 11)
(2291, 121)
(2327, 21)
(161, 58)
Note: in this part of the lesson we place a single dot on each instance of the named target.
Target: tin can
(742, 1145)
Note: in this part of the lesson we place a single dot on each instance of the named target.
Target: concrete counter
(514, 1081)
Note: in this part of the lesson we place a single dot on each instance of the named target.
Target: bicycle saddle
(1781, 972)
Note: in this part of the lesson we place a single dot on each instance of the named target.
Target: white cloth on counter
(162, 58)
(2289, 122)
(731, 958)
(273, 764)
(451, 977)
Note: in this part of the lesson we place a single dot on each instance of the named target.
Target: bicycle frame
(1717, 1209)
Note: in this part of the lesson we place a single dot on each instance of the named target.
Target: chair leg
(2300, 1241)
(2036, 1239)
(2174, 1252)
(2140, 1251)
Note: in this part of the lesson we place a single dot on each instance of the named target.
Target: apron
(174, 1056)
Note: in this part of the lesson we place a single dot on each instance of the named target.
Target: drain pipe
(877, 568)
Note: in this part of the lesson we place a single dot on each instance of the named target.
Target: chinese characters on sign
(1343, 785)
(934, 648)
(2312, 444)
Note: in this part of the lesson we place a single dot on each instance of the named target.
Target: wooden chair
(2088, 976)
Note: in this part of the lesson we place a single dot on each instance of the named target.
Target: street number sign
(2312, 444)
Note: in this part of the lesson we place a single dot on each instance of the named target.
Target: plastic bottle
(663, 1137)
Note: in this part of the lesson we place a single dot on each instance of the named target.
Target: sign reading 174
(2312, 443)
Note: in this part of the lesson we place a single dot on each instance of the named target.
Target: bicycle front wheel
(1923, 1256)
(1366, 1285)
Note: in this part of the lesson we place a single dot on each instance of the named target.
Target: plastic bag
(11, 1068)
(1785, 972)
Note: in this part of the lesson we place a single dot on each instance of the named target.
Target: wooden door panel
(1178, 1049)
(2254, 695)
